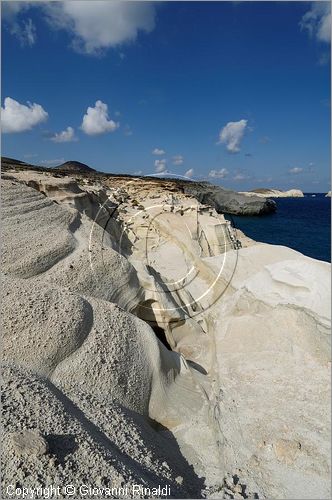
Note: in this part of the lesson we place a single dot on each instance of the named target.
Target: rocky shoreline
(223, 200)
(146, 342)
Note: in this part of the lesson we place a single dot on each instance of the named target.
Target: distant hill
(11, 161)
(75, 167)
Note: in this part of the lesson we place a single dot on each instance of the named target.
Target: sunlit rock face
(165, 344)
(274, 193)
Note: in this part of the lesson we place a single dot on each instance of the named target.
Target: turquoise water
(303, 224)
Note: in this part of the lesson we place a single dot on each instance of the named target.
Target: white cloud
(240, 177)
(24, 30)
(177, 160)
(138, 172)
(317, 21)
(67, 135)
(57, 161)
(96, 120)
(10, 10)
(232, 135)
(189, 173)
(160, 165)
(100, 25)
(219, 174)
(295, 170)
(94, 26)
(16, 117)
(158, 152)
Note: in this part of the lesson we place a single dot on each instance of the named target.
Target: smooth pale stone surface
(245, 390)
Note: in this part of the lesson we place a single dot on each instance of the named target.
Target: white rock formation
(275, 193)
(239, 406)
(272, 369)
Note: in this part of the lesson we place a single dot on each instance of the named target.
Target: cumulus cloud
(160, 165)
(232, 135)
(177, 160)
(16, 117)
(295, 170)
(240, 177)
(94, 26)
(317, 21)
(96, 120)
(219, 174)
(158, 152)
(99, 25)
(189, 173)
(67, 135)
(23, 29)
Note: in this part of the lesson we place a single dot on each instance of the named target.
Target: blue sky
(237, 93)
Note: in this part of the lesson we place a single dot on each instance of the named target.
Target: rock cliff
(231, 202)
(147, 341)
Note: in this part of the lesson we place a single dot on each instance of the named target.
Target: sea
(303, 224)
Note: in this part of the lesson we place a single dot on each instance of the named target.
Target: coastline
(299, 223)
(142, 309)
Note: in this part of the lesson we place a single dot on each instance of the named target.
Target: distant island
(274, 193)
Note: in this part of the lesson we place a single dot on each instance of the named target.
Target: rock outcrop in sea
(227, 201)
(274, 193)
(145, 341)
